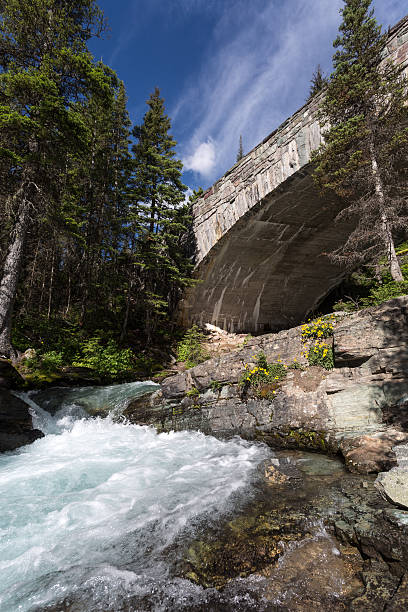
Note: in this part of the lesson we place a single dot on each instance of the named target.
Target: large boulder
(9, 376)
(16, 425)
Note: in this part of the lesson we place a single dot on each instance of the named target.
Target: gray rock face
(16, 426)
(261, 229)
(393, 485)
(347, 409)
(9, 377)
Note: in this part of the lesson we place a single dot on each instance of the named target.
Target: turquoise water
(89, 513)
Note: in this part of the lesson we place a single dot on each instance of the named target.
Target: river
(95, 515)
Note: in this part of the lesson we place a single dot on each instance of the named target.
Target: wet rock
(274, 476)
(10, 378)
(379, 587)
(247, 545)
(372, 453)
(316, 572)
(16, 426)
(399, 602)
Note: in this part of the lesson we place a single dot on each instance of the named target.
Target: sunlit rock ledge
(360, 408)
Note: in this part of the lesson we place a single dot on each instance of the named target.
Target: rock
(274, 476)
(359, 408)
(372, 453)
(16, 425)
(332, 573)
(145, 408)
(30, 353)
(9, 376)
(393, 485)
(365, 334)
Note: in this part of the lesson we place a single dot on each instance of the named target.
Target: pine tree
(317, 82)
(44, 65)
(240, 153)
(364, 156)
(160, 217)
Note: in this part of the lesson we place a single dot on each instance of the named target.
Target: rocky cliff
(359, 408)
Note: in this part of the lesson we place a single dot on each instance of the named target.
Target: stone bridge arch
(261, 231)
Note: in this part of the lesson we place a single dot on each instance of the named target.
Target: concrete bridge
(262, 230)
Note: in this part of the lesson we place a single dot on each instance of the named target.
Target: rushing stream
(90, 513)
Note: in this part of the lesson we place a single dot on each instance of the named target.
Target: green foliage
(321, 353)
(365, 289)
(216, 385)
(318, 328)
(263, 379)
(318, 82)
(295, 365)
(190, 350)
(160, 217)
(240, 153)
(345, 306)
(385, 292)
(107, 359)
(193, 392)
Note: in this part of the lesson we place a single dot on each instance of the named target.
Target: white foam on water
(90, 508)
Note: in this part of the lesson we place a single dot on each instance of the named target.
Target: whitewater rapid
(89, 512)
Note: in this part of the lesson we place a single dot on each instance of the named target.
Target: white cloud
(188, 192)
(202, 160)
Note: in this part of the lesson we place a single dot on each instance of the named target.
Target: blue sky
(224, 67)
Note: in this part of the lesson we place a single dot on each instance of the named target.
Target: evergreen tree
(364, 156)
(44, 66)
(240, 153)
(318, 81)
(160, 217)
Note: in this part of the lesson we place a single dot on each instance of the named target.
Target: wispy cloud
(256, 73)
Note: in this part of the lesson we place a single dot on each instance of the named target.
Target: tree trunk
(386, 230)
(126, 318)
(8, 285)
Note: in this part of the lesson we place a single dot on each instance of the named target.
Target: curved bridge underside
(268, 271)
(262, 231)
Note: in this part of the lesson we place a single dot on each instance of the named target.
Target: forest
(92, 209)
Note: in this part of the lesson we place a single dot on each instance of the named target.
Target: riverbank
(358, 408)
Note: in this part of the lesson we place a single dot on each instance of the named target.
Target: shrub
(107, 360)
(263, 379)
(321, 353)
(385, 292)
(190, 350)
(52, 360)
(295, 365)
(319, 328)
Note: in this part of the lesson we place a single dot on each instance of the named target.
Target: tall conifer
(364, 156)
(44, 66)
(160, 216)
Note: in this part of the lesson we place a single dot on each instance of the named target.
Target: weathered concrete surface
(262, 230)
(354, 408)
